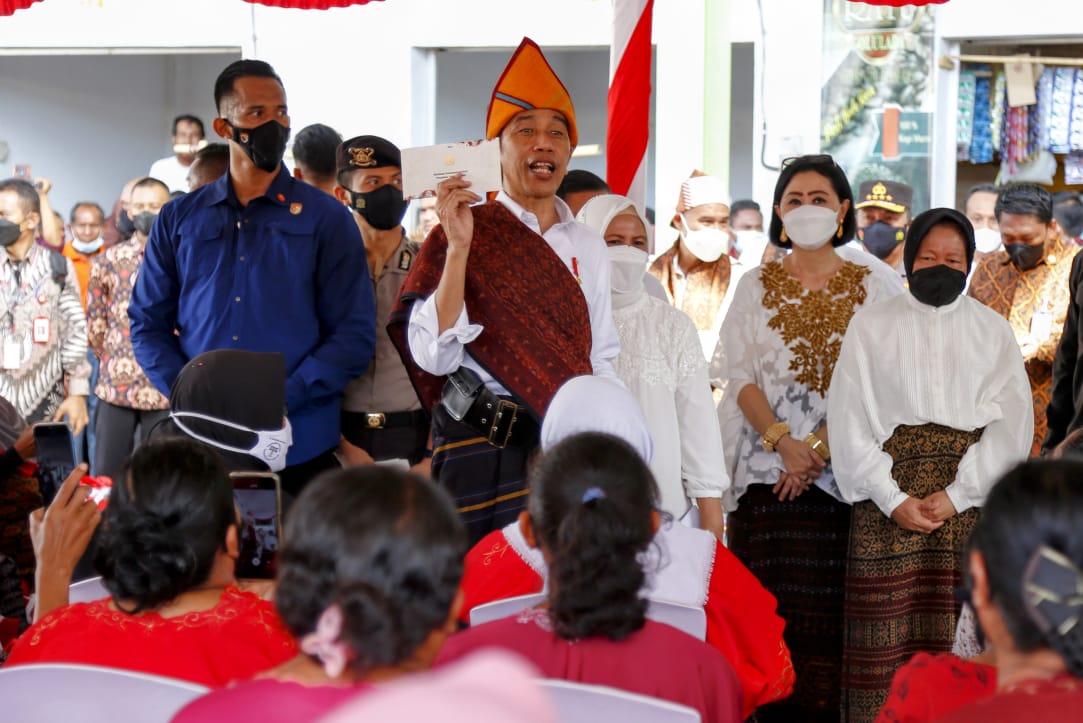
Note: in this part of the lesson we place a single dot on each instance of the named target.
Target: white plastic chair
(87, 591)
(582, 703)
(499, 609)
(47, 693)
(683, 617)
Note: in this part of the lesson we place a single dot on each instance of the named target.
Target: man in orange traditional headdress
(507, 301)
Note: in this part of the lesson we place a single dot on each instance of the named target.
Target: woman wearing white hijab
(661, 362)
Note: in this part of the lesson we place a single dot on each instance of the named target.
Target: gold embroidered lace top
(812, 323)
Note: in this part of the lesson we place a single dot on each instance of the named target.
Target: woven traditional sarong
(900, 585)
(488, 484)
(797, 549)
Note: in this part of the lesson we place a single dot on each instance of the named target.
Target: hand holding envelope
(423, 168)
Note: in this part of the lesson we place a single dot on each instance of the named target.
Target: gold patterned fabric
(812, 323)
(705, 286)
(1018, 296)
(900, 585)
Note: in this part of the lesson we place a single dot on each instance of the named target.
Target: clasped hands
(924, 515)
(802, 467)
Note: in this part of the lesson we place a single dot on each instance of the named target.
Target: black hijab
(242, 387)
(924, 223)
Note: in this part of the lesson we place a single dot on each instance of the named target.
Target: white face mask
(87, 248)
(706, 244)
(810, 227)
(271, 444)
(987, 240)
(627, 265)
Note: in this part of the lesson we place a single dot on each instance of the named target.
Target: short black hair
(590, 506)
(28, 195)
(314, 148)
(188, 118)
(578, 180)
(150, 182)
(166, 521)
(1069, 214)
(824, 165)
(744, 204)
(386, 547)
(980, 188)
(1025, 199)
(87, 204)
(1037, 504)
(223, 86)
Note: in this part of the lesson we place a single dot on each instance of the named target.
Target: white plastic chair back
(48, 693)
(683, 617)
(582, 703)
(87, 591)
(505, 608)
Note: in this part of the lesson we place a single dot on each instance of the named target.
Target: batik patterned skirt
(797, 549)
(900, 585)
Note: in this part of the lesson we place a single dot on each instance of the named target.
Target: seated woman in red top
(683, 565)
(590, 512)
(368, 582)
(1026, 556)
(166, 552)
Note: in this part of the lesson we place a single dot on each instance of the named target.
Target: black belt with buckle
(389, 420)
(501, 421)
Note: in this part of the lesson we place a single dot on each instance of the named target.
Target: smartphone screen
(56, 457)
(259, 500)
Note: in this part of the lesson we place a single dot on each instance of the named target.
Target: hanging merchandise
(964, 126)
(1060, 118)
(1075, 131)
(1045, 106)
(997, 104)
(981, 144)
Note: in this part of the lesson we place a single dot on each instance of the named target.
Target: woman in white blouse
(662, 363)
(929, 405)
(778, 347)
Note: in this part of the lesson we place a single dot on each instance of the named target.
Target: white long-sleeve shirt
(580, 248)
(904, 362)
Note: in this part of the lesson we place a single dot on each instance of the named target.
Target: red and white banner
(629, 99)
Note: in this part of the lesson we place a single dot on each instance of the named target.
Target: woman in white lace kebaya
(778, 347)
(661, 361)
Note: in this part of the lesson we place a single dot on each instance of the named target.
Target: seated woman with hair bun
(1025, 571)
(166, 551)
(590, 512)
(368, 583)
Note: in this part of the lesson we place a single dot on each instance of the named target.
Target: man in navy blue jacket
(260, 261)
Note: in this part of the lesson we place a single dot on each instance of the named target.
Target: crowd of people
(807, 425)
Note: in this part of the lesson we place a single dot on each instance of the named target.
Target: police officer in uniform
(382, 418)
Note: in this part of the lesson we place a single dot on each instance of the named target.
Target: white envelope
(425, 166)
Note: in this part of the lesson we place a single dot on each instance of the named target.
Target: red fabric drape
(7, 7)
(310, 4)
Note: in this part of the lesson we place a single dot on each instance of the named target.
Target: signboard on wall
(877, 93)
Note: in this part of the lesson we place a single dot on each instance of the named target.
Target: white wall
(91, 123)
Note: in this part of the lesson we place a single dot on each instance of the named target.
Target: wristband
(774, 433)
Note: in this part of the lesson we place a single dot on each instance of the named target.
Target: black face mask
(1024, 256)
(125, 227)
(264, 144)
(144, 221)
(937, 285)
(9, 232)
(383, 208)
(880, 239)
